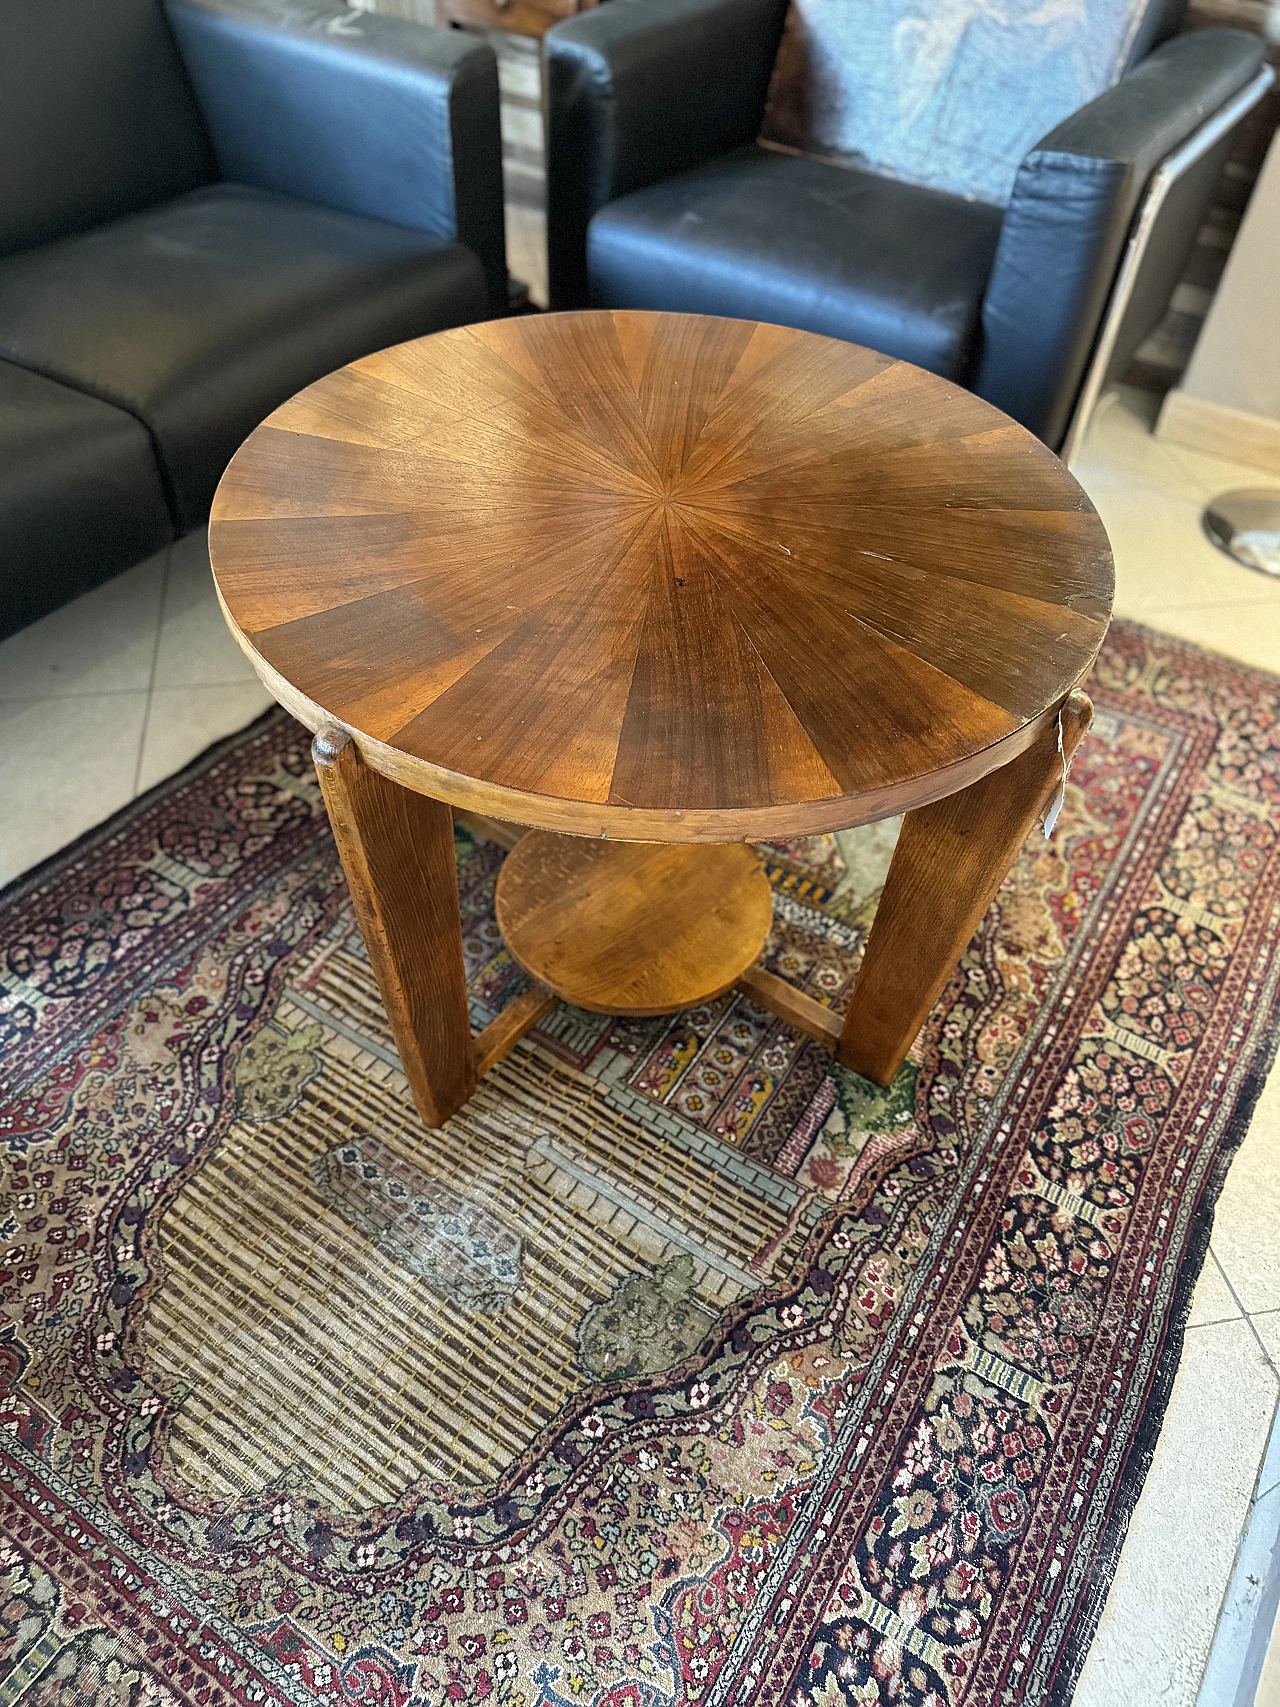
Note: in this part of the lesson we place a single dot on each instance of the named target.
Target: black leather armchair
(205, 205)
(660, 196)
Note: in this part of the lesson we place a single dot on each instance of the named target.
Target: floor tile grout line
(197, 687)
(1184, 457)
(1134, 613)
(151, 677)
(1271, 1362)
(1097, 477)
(63, 698)
(1259, 1494)
(1112, 483)
(120, 693)
(1183, 454)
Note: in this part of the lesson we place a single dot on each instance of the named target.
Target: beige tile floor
(104, 698)
(109, 695)
(1158, 1625)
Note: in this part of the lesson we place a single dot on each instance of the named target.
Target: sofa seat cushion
(80, 495)
(761, 235)
(203, 313)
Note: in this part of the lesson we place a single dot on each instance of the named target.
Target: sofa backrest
(950, 93)
(96, 116)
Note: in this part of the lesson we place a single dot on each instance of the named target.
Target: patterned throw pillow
(948, 93)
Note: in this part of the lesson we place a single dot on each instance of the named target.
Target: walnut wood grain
(501, 1035)
(792, 1005)
(397, 851)
(950, 860)
(632, 928)
(660, 577)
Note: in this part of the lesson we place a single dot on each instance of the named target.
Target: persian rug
(682, 1366)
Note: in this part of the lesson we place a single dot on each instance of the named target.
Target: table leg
(396, 848)
(950, 860)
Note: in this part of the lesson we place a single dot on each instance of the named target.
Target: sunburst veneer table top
(660, 576)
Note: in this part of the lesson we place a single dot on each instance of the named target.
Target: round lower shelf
(633, 927)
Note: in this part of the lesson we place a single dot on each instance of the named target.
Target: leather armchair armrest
(1073, 203)
(637, 91)
(368, 114)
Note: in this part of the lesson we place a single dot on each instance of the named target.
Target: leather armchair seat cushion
(200, 315)
(80, 495)
(762, 235)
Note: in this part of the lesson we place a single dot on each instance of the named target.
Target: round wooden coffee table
(660, 586)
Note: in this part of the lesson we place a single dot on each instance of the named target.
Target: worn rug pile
(681, 1366)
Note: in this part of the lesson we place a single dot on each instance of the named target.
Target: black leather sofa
(660, 196)
(205, 205)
